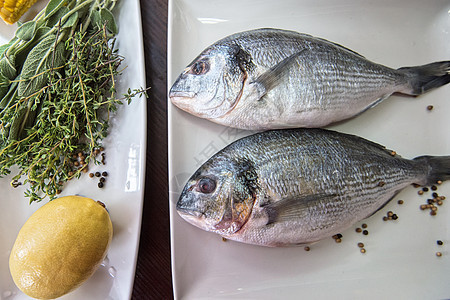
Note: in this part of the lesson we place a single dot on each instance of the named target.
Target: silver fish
(298, 186)
(272, 78)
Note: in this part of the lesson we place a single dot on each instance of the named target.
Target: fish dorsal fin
(291, 208)
(272, 77)
(340, 46)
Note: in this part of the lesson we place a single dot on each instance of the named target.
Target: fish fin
(290, 208)
(438, 166)
(338, 46)
(382, 206)
(272, 77)
(421, 79)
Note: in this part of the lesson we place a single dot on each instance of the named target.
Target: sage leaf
(52, 7)
(108, 18)
(26, 31)
(55, 17)
(10, 95)
(95, 18)
(40, 59)
(4, 87)
(5, 47)
(71, 21)
(7, 67)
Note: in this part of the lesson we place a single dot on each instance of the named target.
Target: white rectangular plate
(123, 192)
(400, 261)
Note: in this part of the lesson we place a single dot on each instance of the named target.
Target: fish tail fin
(421, 79)
(438, 166)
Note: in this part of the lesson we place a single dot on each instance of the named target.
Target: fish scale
(296, 186)
(272, 78)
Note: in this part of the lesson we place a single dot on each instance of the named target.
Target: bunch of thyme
(67, 113)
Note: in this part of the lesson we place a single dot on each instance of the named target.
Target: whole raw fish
(297, 186)
(272, 78)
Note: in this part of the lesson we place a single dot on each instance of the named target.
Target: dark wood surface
(153, 274)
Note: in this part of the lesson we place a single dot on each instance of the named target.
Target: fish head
(212, 84)
(217, 198)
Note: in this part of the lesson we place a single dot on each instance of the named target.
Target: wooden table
(153, 274)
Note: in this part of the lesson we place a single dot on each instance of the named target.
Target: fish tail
(438, 168)
(421, 79)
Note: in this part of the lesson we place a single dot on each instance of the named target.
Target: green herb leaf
(71, 21)
(56, 16)
(108, 18)
(5, 47)
(26, 31)
(4, 87)
(8, 68)
(52, 7)
(33, 75)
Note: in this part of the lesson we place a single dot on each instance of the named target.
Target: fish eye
(206, 185)
(200, 67)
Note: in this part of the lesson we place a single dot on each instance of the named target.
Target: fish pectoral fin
(272, 77)
(292, 208)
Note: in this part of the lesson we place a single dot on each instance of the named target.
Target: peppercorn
(363, 250)
(390, 213)
(430, 107)
(420, 192)
(394, 217)
(361, 245)
(100, 184)
(385, 218)
(439, 242)
(91, 175)
(425, 189)
(423, 206)
(307, 248)
(102, 179)
(97, 174)
(400, 202)
(438, 254)
(435, 195)
(433, 187)
(439, 182)
(104, 173)
(358, 230)
(365, 232)
(364, 225)
(433, 213)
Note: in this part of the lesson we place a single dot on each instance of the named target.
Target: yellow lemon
(60, 246)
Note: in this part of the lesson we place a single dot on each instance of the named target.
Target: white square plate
(400, 261)
(123, 192)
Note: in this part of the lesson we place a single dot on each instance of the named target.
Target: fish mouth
(181, 95)
(193, 217)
